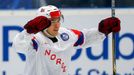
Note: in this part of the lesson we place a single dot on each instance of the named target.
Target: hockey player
(48, 46)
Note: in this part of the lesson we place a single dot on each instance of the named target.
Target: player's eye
(55, 20)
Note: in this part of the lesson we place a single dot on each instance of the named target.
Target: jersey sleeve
(88, 37)
(92, 36)
(22, 42)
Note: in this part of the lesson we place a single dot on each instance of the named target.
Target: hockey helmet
(49, 11)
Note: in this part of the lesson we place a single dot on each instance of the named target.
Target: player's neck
(45, 32)
(53, 38)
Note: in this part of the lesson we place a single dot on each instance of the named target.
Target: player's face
(54, 27)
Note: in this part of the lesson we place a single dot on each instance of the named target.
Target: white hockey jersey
(44, 57)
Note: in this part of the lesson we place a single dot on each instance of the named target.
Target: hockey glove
(109, 25)
(37, 24)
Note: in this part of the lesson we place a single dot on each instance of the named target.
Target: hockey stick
(113, 40)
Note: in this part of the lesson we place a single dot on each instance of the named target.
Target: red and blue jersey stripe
(80, 35)
(35, 44)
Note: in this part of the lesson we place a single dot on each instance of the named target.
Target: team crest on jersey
(64, 36)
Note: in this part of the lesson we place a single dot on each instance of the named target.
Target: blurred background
(78, 14)
(33, 4)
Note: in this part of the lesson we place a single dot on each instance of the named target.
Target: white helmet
(49, 11)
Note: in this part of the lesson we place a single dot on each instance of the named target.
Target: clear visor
(57, 19)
